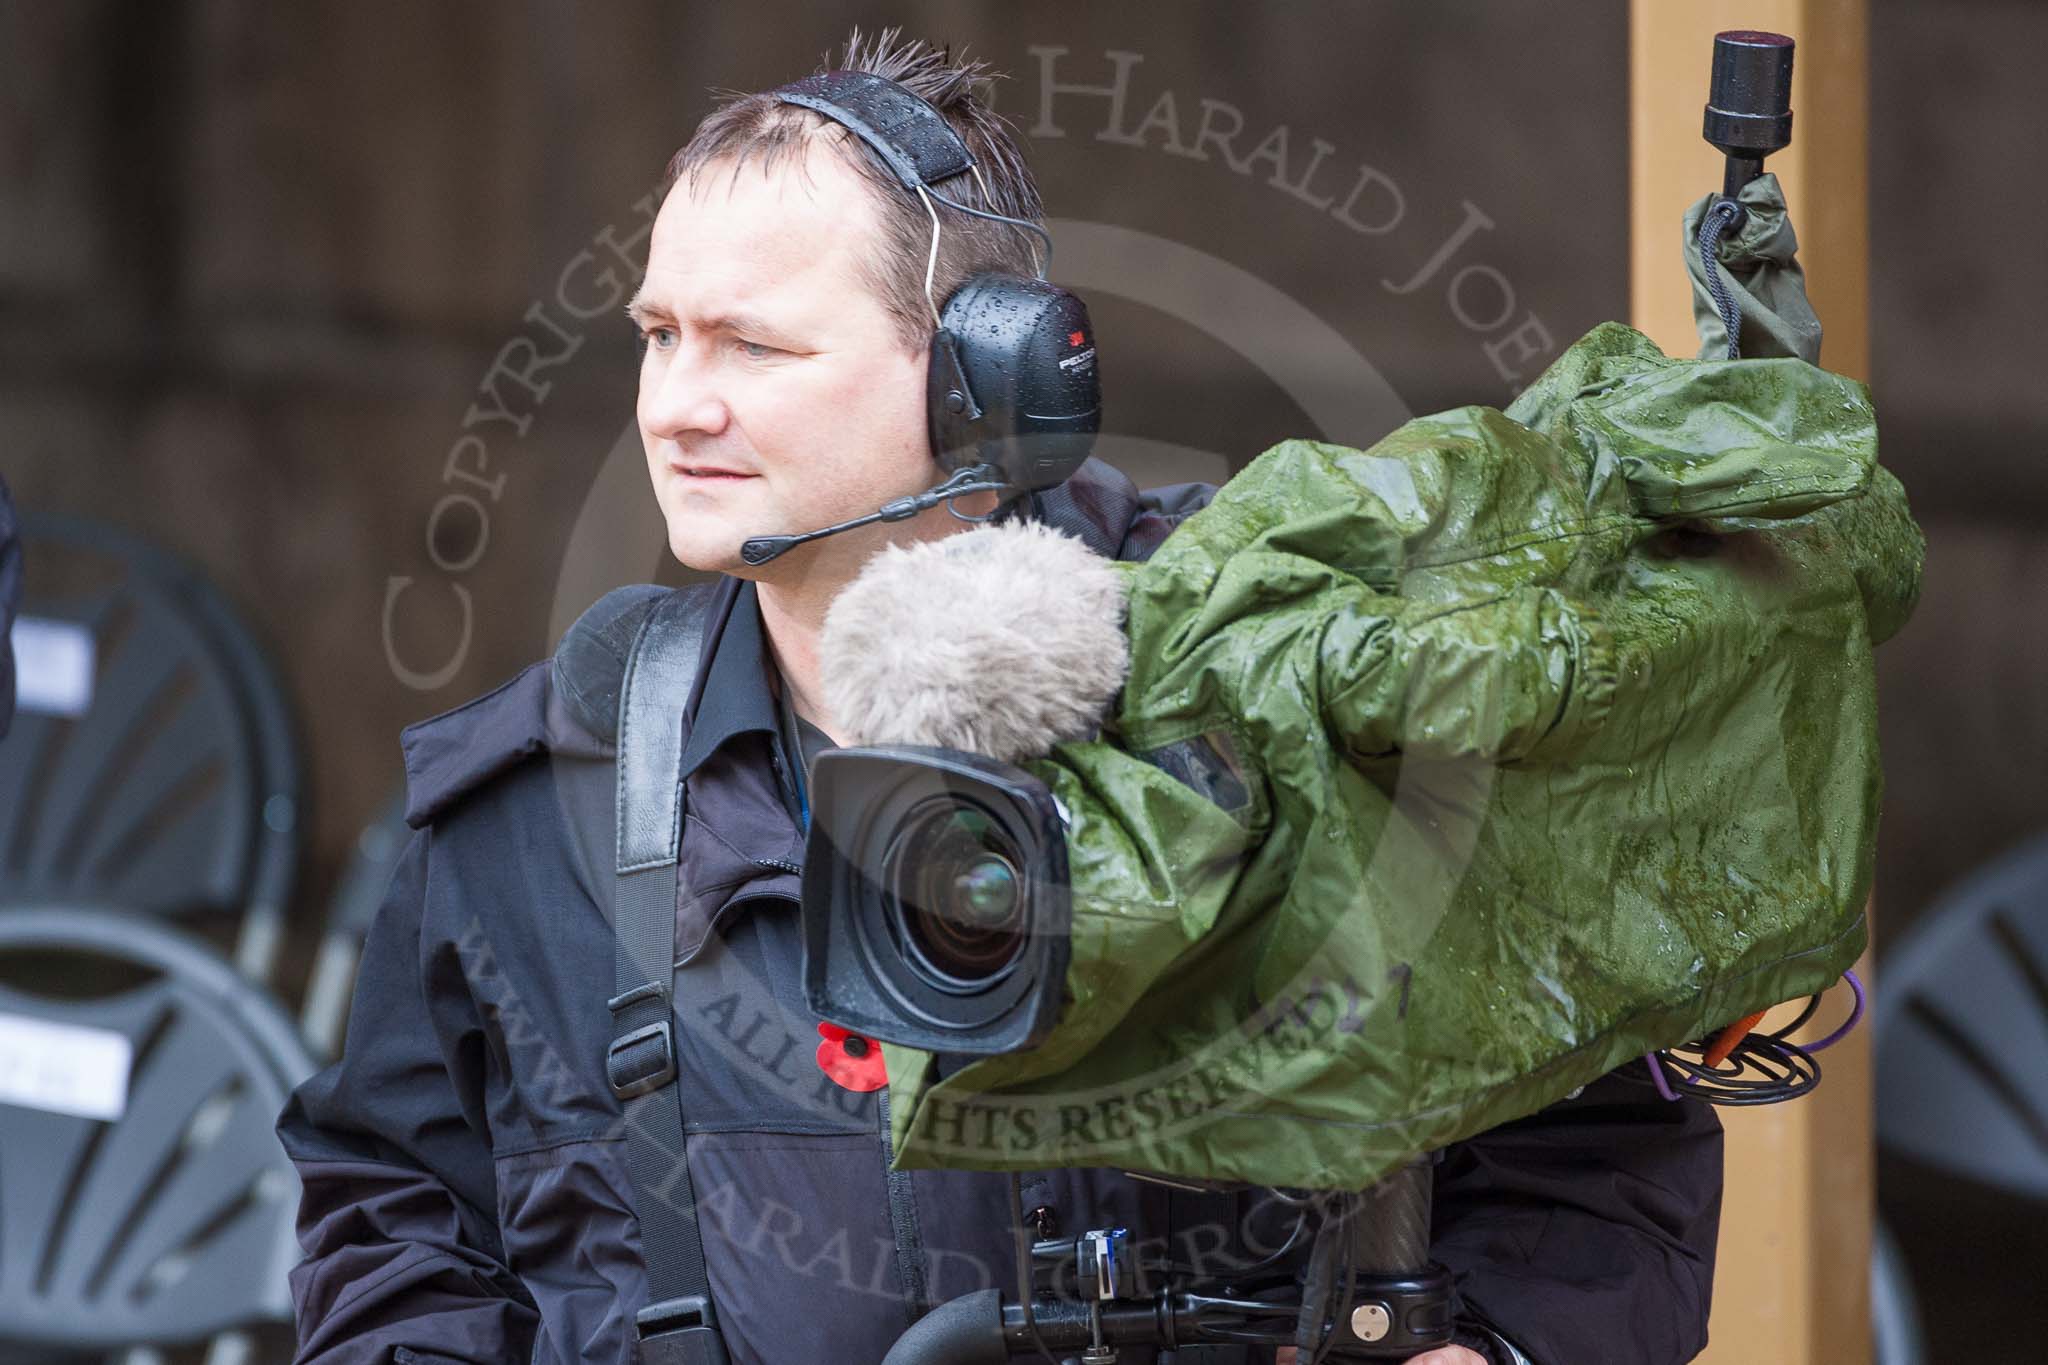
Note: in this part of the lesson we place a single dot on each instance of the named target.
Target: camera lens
(937, 911)
(987, 890)
(955, 896)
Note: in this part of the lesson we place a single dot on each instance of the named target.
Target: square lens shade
(936, 911)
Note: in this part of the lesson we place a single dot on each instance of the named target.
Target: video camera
(941, 913)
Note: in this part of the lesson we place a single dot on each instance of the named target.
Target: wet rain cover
(1759, 266)
(1454, 773)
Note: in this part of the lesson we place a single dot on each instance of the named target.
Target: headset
(1013, 398)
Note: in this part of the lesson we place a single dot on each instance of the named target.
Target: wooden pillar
(1791, 1284)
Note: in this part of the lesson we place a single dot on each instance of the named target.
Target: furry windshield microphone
(1002, 641)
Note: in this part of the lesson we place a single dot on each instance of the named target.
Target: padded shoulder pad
(590, 662)
(567, 707)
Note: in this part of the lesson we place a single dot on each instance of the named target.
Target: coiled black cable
(1763, 1068)
(1720, 215)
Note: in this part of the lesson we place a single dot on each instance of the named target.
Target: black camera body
(936, 907)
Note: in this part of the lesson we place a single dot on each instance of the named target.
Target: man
(466, 1195)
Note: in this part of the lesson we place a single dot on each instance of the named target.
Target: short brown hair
(746, 125)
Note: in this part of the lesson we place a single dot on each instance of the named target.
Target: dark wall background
(257, 263)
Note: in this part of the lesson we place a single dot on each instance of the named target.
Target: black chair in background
(158, 804)
(323, 1019)
(173, 1222)
(177, 792)
(1961, 1016)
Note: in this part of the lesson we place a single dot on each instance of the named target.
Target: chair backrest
(1962, 1029)
(177, 791)
(1896, 1337)
(324, 1015)
(174, 1220)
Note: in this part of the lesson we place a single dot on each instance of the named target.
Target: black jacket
(465, 1196)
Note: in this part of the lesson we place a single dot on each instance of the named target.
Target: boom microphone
(980, 478)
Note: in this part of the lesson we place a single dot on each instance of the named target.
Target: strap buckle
(680, 1331)
(642, 1060)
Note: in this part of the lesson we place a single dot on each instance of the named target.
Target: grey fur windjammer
(1002, 641)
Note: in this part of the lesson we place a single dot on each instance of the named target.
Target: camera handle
(1366, 1291)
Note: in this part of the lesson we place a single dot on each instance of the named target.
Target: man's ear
(1002, 641)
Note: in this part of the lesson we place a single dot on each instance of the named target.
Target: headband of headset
(1012, 379)
(905, 131)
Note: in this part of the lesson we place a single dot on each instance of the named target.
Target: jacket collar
(1104, 509)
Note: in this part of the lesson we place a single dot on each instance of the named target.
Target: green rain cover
(1451, 774)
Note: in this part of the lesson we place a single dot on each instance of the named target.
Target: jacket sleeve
(1585, 1233)
(397, 1216)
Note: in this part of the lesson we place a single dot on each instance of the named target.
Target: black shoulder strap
(678, 1326)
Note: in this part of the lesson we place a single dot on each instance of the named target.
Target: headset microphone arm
(980, 478)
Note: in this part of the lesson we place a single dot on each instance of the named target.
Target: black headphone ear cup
(1012, 380)
(951, 414)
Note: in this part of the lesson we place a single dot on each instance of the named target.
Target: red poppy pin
(853, 1062)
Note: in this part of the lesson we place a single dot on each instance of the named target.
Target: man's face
(775, 394)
